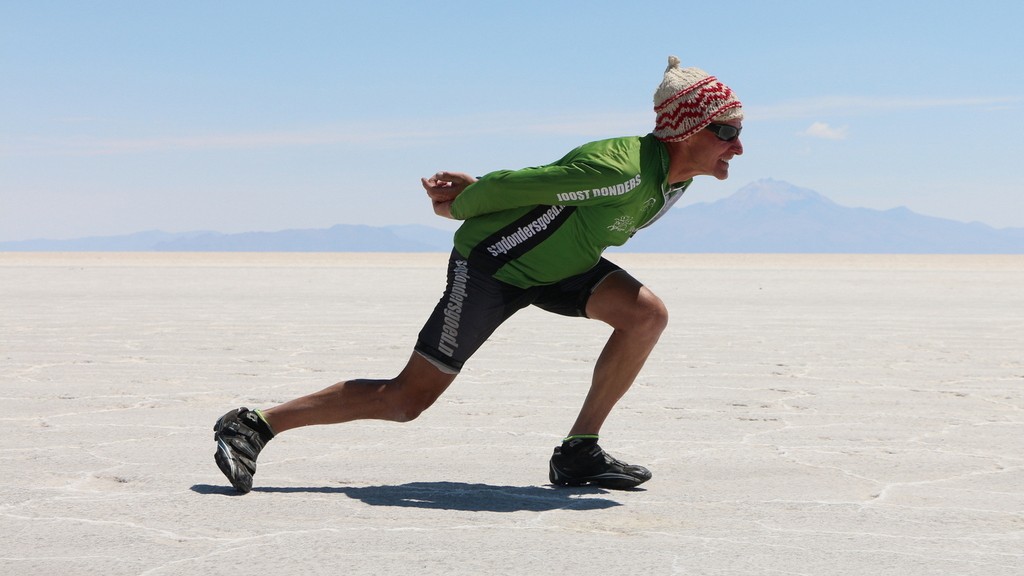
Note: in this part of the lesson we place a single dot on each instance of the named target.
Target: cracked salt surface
(802, 415)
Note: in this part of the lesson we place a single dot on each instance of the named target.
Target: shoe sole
(610, 480)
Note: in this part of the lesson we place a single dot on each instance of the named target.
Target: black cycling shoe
(240, 435)
(579, 462)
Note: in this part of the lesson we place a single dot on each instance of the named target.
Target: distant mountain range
(770, 216)
(767, 216)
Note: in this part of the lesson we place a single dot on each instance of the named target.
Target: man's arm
(590, 174)
(570, 184)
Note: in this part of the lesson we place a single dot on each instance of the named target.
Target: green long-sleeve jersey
(539, 225)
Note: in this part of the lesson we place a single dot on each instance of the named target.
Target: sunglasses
(725, 132)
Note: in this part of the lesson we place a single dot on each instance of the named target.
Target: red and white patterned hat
(689, 99)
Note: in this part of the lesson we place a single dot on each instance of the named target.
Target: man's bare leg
(241, 434)
(638, 318)
(398, 399)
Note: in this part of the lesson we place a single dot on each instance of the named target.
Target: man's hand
(443, 187)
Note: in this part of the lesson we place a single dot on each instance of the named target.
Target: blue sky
(118, 117)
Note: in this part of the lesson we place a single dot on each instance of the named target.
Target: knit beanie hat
(689, 99)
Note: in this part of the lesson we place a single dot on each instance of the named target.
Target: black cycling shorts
(474, 304)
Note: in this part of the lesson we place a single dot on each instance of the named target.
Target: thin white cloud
(855, 105)
(363, 134)
(825, 132)
(411, 131)
(107, 146)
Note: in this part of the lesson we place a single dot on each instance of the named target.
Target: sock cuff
(263, 419)
(580, 437)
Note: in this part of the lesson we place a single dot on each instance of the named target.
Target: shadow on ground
(452, 496)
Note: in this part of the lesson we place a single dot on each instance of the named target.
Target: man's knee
(406, 402)
(416, 389)
(625, 304)
(650, 314)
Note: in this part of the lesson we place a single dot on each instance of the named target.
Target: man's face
(711, 155)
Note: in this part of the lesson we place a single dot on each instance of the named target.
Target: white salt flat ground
(810, 415)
